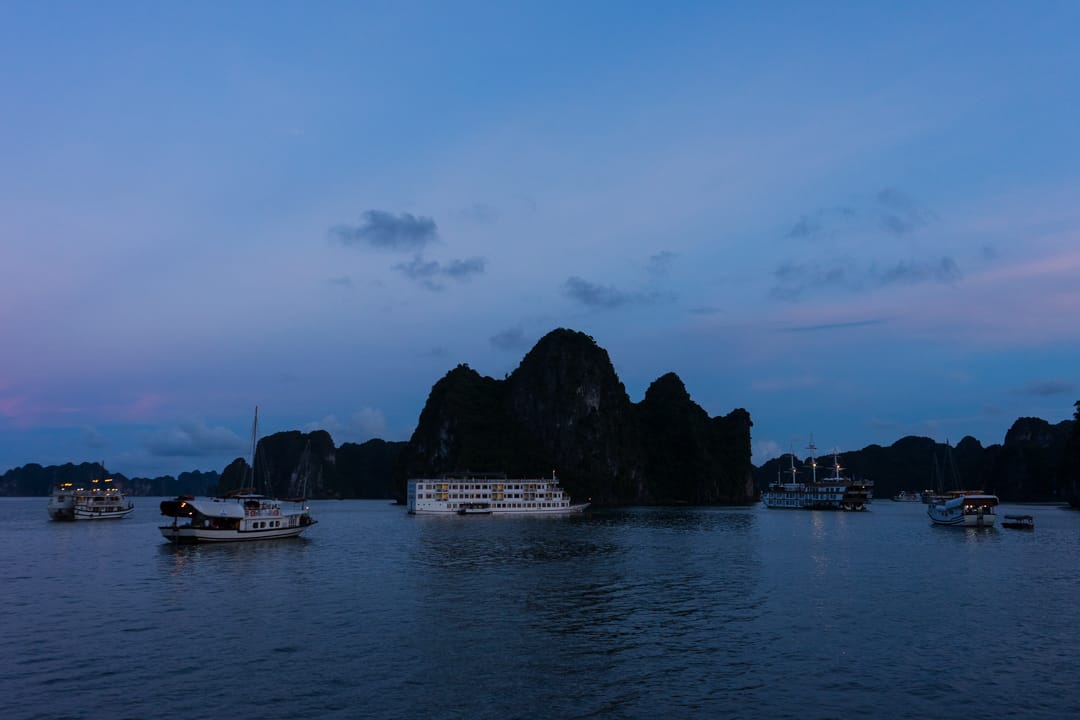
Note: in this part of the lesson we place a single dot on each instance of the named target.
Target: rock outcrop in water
(564, 409)
(295, 464)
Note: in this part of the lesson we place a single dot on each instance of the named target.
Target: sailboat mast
(813, 460)
(254, 434)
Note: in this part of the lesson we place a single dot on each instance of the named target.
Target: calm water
(646, 613)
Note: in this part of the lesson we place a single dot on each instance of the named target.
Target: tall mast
(254, 433)
(813, 461)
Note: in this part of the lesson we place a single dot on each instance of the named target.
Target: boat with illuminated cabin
(239, 515)
(100, 500)
(832, 493)
(958, 507)
(478, 494)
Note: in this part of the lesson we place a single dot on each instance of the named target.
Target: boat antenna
(951, 459)
(939, 482)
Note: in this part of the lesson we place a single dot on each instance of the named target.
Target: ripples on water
(639, 613)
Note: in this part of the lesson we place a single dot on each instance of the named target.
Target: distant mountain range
(564, 410)
(285, 461)
(1032, 464)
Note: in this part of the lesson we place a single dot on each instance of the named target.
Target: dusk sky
(857, 220)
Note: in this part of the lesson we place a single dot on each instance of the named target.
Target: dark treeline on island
(564, 410)
(1037, 462)
(284, 462)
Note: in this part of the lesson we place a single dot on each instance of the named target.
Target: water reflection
(666, 612)
(679, 519)
(234, 557)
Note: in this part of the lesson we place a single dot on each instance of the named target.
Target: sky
(859, 221)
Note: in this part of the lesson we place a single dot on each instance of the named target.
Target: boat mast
(254, 432)
(813, 460)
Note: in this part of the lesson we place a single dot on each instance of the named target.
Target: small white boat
(963, 508)
(100, 501)
(239, 515)
(905, 496)
(475, 508)
(1018, 522)
(959, 508)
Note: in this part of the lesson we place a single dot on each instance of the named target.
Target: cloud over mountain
(192, 438)
(1047, 388)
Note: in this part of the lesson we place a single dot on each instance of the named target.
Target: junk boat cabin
(242, 515)
(963, 508)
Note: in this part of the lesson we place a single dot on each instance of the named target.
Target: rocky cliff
(564, 409)
(296, 464)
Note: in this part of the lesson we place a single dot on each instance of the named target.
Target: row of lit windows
(454, 506)
(266, 524)
(482, 496)
(484, 486)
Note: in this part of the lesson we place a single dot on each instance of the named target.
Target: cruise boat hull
(569, 510)
(102, 514)
(188, 535)
(60, 511)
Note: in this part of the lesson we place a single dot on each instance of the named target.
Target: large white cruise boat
(100, 501)
(833, 493)
(488, 495)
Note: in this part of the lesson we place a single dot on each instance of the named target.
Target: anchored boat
(489, 495)
(833, 493)
(961, 508)
(1018, 522)
(242, 514)
(101, 500)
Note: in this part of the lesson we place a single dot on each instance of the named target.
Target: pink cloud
(145, 407)
(11, 406)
